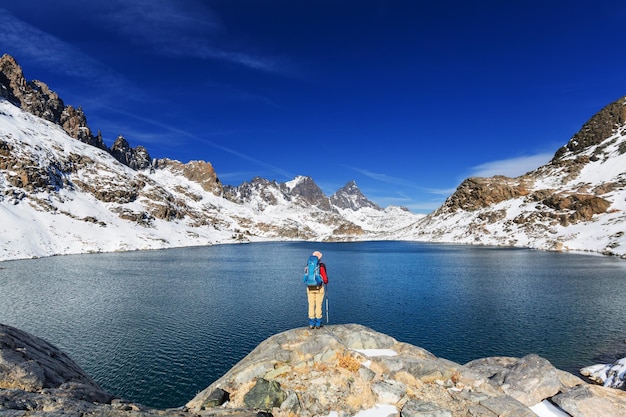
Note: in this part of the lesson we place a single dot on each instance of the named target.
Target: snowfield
(66, 213)
(605, 233)
(69, 220)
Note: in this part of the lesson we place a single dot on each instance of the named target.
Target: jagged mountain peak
(135, 158)
(11, 78)
(350, 188)
(351, 197)
(35, 97)
(261, 190)
(307, 191)
(597, 129)
(577, 201)
(60, 195)
(300, 181)
(301, 190)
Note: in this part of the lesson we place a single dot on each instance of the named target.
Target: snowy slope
(577, 202)
(65, 219)
(61, 196)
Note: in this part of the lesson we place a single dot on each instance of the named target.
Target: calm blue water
(156, 327)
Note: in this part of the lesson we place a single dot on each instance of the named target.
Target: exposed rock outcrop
(30, 364)
(200, 172)
(135, 158)
(349, 368)
(477, 192)
(309, 192)
(340, 369)
(351, 197)
(600, 127)
(37, 379)
(37, 98)
(559, 206)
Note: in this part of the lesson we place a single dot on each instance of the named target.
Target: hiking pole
(326, 295)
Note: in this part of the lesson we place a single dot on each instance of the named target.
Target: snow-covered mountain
(576, 202)
(63, 191)
(59, 195)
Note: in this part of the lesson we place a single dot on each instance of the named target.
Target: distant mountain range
(63, 191)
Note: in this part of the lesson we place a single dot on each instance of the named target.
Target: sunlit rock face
(577, 201)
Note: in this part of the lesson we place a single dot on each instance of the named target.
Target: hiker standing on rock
(315, 278)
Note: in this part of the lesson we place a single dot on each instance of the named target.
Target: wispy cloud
(19, 37)
(512, 167)
(197, 139)
(445, 192)
(276, 170)
(417, 203)
(160, 22)
(231, 93)
(381, 177)
(174, 28)
(171, 28)
(238, 176)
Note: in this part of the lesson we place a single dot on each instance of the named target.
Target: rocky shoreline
(339, 370)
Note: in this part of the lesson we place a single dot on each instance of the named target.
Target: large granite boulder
(529, 380)
(592, 401)
(31, 364)
(38, 380)
(342, 370)
(337, 371)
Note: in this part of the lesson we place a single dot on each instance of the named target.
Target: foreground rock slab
(37, 380)
(30, 364)
(336, 371)
(346, 369)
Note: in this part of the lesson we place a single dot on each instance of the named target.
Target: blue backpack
(312, 276)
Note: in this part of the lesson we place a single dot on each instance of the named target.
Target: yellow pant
(316, 299)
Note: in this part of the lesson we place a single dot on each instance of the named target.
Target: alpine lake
(156, 327)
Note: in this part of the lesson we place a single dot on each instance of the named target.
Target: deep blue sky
(408, 98)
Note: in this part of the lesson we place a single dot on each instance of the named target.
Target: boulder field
(337, 371)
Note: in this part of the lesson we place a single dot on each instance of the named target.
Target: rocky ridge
(339, 370)
(121, 199)
(35, 97)
(350, 197)
(574, 202)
